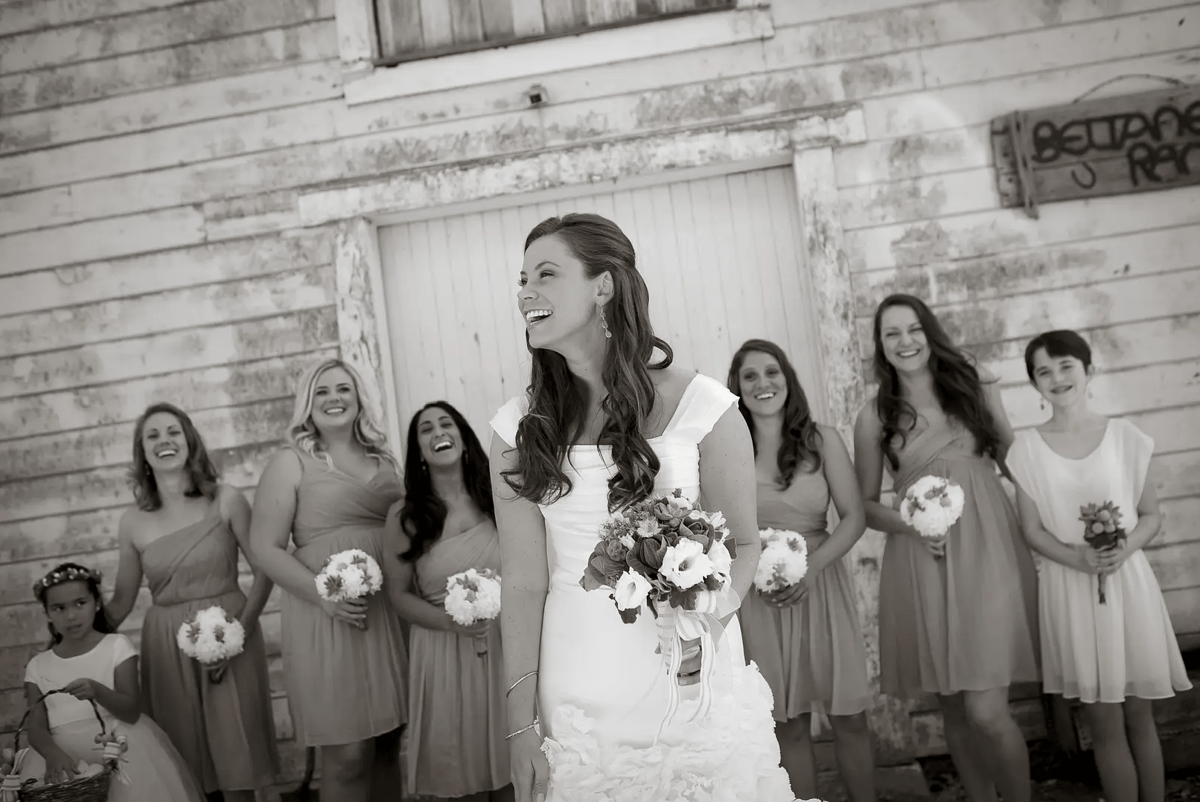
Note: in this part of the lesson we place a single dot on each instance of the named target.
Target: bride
(603, 425)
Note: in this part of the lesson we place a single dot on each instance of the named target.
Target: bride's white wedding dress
(602, 688)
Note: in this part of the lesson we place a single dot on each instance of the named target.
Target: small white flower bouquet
(783, 561)
(473, 595)
(932, 505)
(350, 574)
(211, 636)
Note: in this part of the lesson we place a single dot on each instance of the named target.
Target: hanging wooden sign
(1110, 146)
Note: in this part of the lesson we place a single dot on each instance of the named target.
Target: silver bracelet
(512, 735)
(518, 682)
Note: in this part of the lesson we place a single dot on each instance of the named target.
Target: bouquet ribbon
(676, 625)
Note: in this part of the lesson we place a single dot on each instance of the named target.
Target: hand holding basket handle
(93, 788)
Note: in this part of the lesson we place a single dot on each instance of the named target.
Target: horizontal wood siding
(411, 29)
(152, 151)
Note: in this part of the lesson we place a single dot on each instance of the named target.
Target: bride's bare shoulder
(671, 382)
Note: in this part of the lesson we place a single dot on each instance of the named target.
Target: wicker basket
(83, 789)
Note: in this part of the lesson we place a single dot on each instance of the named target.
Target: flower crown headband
(61, 575)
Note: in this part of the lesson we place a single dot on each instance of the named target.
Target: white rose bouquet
(211, 636)
(783, 561)
(932, 505)
(350, 574)
(473, 595)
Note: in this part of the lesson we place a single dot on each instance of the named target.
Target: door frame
(806, 140)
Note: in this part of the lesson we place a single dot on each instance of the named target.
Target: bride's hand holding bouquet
(666, 554)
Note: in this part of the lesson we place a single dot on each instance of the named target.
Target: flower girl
(1106, 638)
(87, 664)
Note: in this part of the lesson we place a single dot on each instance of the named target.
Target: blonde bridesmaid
(446, 524)
(806, 640)
(344, 663)
(957, 616)
(183, 536)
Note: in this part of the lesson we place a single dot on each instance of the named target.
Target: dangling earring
(604, 325)
(1042, 404)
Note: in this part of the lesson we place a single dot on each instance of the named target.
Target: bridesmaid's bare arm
(868, 465)
(129, 573)
(847, 499)
(236, 512)
(271, 527)
(400, 577)
(727, 484)
(995, 402)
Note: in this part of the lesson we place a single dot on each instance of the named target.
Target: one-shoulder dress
(225, 731)
(457, 715)
(344, 684)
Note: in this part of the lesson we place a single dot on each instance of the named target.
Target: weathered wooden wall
(151, 153)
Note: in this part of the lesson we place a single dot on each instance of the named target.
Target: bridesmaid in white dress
(603, 425)
(1118, 656)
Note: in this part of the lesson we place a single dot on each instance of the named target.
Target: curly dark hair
(200, 469)
(424, 513)
(558, 401)
(956, 382)
(800, 448)
(72, 572)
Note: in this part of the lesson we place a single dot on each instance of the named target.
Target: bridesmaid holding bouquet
(183, 535)
(1115, 655)
(344, 662)
(445, 525)
(806, 638)
(957, 613)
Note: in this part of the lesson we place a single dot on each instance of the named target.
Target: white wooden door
(722, 257)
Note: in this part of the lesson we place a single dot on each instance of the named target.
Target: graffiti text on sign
(1158, 146)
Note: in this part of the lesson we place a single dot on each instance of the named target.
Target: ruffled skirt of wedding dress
(729, 755)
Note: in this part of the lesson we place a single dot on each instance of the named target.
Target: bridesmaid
(183, 534)
(1116, 657)
(446, 524)
(344, 664)
(957, 616)
(806, 639)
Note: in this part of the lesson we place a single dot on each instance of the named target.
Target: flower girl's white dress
(603, 689)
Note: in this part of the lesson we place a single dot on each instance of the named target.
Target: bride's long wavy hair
(558, 401)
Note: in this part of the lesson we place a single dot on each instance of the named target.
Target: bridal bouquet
(1102, 531)
(473, 595)
(664, 552)
(783, 562)
(211, 636)
(350, 574)
(667, 554)
(932, 505)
